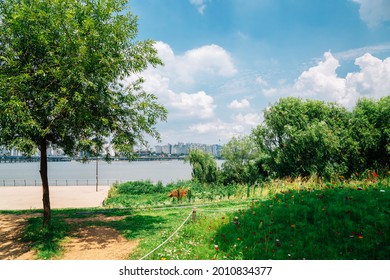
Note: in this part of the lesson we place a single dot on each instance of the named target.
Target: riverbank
(20, 198)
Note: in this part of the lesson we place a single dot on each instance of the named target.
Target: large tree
(305, 137)
(242, 161)
(62, 63)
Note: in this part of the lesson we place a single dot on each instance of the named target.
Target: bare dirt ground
(83, 243)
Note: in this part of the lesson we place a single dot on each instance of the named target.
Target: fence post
(194, 214)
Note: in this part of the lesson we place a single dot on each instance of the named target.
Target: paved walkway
(18, 198)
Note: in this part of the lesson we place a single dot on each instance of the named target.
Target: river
(77, 173)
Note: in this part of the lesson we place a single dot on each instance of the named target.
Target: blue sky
(227, 60)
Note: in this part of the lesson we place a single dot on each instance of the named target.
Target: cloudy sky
(227, 60)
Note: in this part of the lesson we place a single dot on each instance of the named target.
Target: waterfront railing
(57, 182)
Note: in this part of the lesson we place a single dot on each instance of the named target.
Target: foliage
(370, 129)
(302, 137)
(140, 187)
(62, 70)
(204, 166)
(310, 137)
(241, 161)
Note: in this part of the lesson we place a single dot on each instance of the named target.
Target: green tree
(204, 166)
(62, 63)
(370, 128)
(303, 138)
(242, 161)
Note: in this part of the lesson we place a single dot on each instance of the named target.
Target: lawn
(279, 220)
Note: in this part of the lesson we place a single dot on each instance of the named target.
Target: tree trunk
(45, 183)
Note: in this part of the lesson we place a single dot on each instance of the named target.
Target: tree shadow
(11, 244)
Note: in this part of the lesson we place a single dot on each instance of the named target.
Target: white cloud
(261, 81)
(322, 81)
(374, 12)
(197, 104)
(199, 4)
(243, 104)
(354, 53)
(250, 119)
(202, 63)
(209, 60)
(240, 124)
(373, 79)
(224, 130)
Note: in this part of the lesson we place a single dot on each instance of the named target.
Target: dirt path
(83, 243)
(11, 246)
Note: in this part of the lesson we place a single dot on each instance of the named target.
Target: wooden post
(97, 174)
(194, 214)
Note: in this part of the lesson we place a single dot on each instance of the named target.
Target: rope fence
(173, 234)
(193, 215)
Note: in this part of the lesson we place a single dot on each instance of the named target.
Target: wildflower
(382, 190)
(216, 247)
(163, 259)
(292, 226)
(279, 200)
(238, 238)
(360, 236)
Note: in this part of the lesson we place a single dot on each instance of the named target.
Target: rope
(168, 237)
(204, 210)
(221, 210)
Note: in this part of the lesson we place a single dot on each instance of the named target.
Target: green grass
(280, 220)
(45, 241)
(329, 224)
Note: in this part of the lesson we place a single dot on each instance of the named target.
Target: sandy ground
(85, 242)
(18, 198)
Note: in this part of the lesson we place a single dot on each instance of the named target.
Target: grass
(301, 219)
(45, 241)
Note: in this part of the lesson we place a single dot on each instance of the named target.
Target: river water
(77, 173)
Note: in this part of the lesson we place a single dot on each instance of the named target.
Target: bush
(140, 187)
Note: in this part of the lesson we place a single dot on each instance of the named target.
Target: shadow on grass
(329, 224)
(47, 242)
